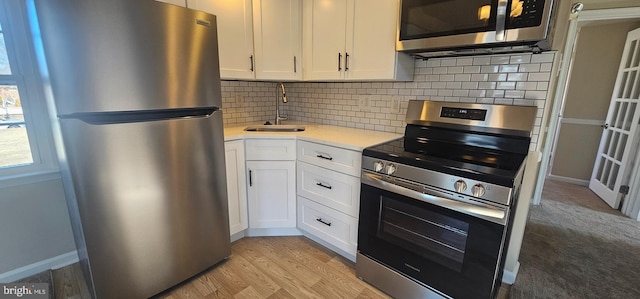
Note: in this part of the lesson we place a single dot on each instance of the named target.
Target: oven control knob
(378, 166)
(478, 190)
(460, 186)
(391, 169)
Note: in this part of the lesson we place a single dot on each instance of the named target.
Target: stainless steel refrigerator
(136, 89)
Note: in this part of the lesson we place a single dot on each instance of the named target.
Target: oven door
(440, 242)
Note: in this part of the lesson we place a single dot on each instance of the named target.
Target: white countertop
(349, 138)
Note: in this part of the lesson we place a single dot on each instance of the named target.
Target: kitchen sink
(275, 128)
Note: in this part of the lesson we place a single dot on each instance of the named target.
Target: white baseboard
(55, 262)
(239, 235)
(568, 180)
(326, 244)
(272, 232)
(509, 277)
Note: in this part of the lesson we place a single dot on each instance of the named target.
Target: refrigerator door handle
(120, 117)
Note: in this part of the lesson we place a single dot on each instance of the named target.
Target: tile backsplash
(510, 79)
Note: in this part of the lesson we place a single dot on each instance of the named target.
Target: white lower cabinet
(271, 174)
(335, 228)
(333, 189)
(236, 186)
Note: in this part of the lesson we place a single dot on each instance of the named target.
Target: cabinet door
(236, 186)
(277, 39)
(235, 35)
(324, 24)
(371, 39)
(272, 194)
(175, 2)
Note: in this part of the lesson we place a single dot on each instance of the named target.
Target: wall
(595, 67)
(34, 229)
(248, 102)
(515, 79)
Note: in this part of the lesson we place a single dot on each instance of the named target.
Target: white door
(619, 136)
(235, 35)
(324, 25)
(277, 38)
(272, 194)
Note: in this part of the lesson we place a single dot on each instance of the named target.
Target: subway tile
(517, 77)
(470, 85)
(484, 101)
(460, 92)
(454, 85)
(539, 76)
(471, 69)
(481, 60)
(518, 59)
(506, 85)
(438, 85)
(529, 67)
(500, 60)
(433, 63)
(417, 92)
(467, 100)
(420, 63)
(440, 70)
(445, 92)
(526, 85)
(424, 71)
(503, 101)
(510, 68)
(431, 92)
(497, 77)
(454, 70)
(542, 57)
(462, 77)
(464, 61)
(448, 62)
(487, 85)
(495, 93)
(490, 69)
(479, 77)
(479, 93)
(424, 85)
(514, 94)
(536, 95)
(546, 67)
(446, 78)
(543, 86)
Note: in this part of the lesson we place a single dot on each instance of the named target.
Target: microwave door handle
(483, 211)
(501, 19)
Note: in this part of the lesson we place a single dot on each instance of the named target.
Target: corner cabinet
(271, 175)
(235, 35)
(353, 40)
(236, 186)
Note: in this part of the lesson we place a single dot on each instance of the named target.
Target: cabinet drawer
(332, 189)
(334, 158)
(329, 225)
(270, 149)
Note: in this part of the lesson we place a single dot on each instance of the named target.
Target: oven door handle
(484, 211)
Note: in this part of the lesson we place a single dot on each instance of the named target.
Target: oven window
(439, 238)
(432, 18)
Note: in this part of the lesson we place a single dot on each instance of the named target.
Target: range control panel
(462, 113)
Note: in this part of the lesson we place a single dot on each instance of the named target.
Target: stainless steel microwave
(441, 25)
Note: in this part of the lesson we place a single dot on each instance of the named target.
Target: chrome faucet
(279, 87)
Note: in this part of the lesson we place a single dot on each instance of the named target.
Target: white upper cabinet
(353, 40)
(235, 35)
(277, 39)
(175, 2)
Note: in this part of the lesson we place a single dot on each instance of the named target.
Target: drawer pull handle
(323, 185)
(324, 157)
(323, 222)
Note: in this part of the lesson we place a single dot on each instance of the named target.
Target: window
(25, 138)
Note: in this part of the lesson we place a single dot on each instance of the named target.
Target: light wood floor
(260, 267)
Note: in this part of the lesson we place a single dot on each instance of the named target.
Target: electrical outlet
(395, 105)
(364, 102)
(239, 99)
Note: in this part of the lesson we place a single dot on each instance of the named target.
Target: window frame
(25, 74)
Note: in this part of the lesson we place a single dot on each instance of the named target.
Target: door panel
(619, 137)
(153, 200)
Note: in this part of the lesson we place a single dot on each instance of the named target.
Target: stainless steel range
(436, 206)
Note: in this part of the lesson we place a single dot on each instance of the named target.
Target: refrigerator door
(151, 200)
(123, 55)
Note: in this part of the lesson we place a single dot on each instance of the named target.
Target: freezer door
(123, 55)
(152, 201)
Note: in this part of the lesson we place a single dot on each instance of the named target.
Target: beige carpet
(577, 247)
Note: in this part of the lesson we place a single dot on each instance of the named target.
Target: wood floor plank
(242, 274)
(249, 293)
(69, 283)
(286, 280)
